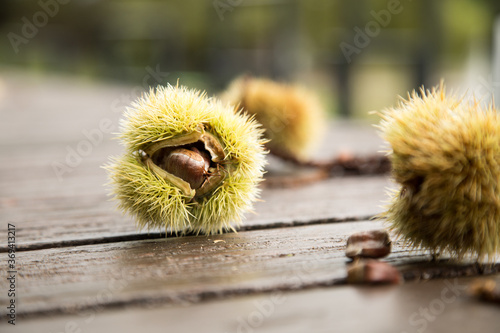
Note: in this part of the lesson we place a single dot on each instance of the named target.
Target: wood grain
(79, 257)
(387, 309)
(192, 269)
(47, 211)
(51, 211)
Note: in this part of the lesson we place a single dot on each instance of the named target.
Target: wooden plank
(432, 306)
(44, 110)
(191, 269)
(52, 211)
(39, 129)
(93, 279)
(46, 211)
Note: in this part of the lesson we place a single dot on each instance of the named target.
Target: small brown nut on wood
(368, 244)
(373, 272)
(486, 290)
(190, 165)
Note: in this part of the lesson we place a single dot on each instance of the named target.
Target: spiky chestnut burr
(445, 155)
(294, 121)
(190, 163)
(292, 116)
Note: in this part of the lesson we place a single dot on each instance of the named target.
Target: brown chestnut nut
(373, 272)
(368, 244)
(187, 164)
(193, 162)
(486, 290)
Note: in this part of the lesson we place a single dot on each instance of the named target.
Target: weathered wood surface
(74, 208)
(440, 305)
(83, 212)
(78, 255)
(190, 269)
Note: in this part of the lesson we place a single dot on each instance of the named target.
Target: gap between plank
(157, 235)
(418, 270)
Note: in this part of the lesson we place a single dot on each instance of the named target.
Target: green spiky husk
(166, 113)
(446, 156)
(292, 116)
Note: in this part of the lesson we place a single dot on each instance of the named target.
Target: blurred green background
(205, 44)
